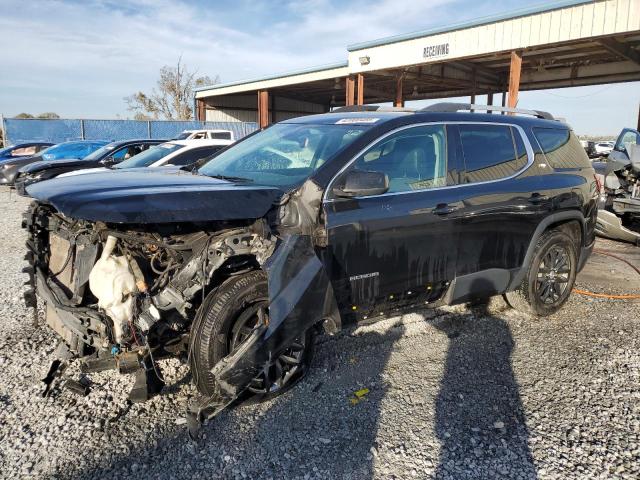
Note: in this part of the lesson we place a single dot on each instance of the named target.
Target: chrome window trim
(519, 129)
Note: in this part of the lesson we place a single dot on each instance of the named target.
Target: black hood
(18, 162)
(67, 163)
(154, 197)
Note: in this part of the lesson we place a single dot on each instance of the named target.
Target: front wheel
(550, 276)
(226, 319)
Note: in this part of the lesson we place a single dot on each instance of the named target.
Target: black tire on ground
(550, 276)
(225, 320)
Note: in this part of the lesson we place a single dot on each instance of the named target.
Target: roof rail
(455, 107)
(370, 108)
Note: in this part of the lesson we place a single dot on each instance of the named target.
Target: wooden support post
(638, 118)
(473, 94)
(350, 91)
(504, 101)
(201, 114)
(263, 108)
(490, 99)
(514, 78)
(399, 101)
(272, 108)
(360, 98)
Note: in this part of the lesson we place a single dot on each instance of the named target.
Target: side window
(220, 135)
(491, 152)
(23, 152)
(413, 159)
(561, 148)
(126, 153)
(630, 137)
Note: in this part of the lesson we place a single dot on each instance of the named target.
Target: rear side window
(221, 135)
(561, 148)
(491, 152)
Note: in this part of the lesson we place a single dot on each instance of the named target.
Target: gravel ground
(453, 393)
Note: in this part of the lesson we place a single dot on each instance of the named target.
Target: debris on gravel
(454, 393)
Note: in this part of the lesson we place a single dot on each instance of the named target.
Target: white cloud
(80, 58)
(94, 53)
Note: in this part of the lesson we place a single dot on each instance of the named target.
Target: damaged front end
(619, 209)
(124, 296)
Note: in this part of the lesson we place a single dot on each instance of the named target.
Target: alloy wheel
(285, 369)
(553, 275)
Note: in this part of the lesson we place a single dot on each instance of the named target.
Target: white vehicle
(174, 153)
(206, 135)
(604, 148)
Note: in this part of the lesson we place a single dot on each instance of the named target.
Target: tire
(550, 276)
(225, 319)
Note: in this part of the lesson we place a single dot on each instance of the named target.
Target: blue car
(76, 149)
(25, 149)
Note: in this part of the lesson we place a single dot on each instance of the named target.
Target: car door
(621, 148)
(401, 246)
(501, 200)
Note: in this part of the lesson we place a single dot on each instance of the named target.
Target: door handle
(536, 198)
(444, 209)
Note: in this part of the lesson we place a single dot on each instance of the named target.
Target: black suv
(314, 222)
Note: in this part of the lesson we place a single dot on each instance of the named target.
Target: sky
(80, 58)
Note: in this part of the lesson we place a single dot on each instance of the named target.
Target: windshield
(150, 156)
(183, 136)
(98, 154)
(283, 155)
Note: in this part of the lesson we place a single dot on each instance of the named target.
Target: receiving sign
(433, 51)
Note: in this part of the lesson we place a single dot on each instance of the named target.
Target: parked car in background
(589, 148)
(314, 222)
(603, 148)
(76, 149)
(107, 156)
(206, 135)
(25, 149)
(178, 153)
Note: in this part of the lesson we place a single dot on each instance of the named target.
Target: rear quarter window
(491, 152)
(561, 148)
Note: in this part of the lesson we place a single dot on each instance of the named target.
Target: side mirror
(361, 183)
(109, 161)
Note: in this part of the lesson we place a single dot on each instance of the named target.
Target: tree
(48, 115)
(142, 116)
(45, 115)
(173, 98)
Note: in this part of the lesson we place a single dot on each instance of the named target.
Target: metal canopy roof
(564, 44)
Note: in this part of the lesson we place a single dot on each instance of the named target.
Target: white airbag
(112, 282)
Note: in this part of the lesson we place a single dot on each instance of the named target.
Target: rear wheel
(550, 276)
(226, 319)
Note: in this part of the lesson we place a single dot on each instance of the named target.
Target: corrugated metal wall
(243, 108)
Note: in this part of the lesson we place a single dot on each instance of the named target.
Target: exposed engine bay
(126, 296)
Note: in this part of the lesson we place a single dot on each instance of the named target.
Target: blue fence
(19, 130)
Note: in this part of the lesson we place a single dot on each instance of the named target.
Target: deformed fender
(298, 291)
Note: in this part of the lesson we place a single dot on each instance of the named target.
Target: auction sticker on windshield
(347, 121)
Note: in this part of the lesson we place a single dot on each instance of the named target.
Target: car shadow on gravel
(313, 430)
(480, 420)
